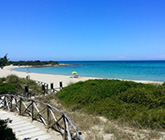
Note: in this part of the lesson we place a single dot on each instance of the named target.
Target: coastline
(49, 78)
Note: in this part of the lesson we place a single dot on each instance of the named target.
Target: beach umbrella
(74, 72)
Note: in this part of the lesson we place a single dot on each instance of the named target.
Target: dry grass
(99, 128)
(83, 121)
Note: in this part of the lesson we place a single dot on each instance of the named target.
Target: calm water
(132, 70)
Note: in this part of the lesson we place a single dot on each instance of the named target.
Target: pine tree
(3, 61)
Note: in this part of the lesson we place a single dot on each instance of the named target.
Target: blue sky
(82, 29)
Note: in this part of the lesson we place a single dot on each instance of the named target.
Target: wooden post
(11, 98)
(51, 86)
(43, 88)
(32, 111)
(65, 132)
(48, 116)
(20, 106)
(4, 102)
(26, 91)
(61, 85)
(47, 86)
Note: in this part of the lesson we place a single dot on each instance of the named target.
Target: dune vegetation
(104, 108)
(137, 104)
(15, 85)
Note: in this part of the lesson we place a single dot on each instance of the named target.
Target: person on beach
(28, 75)
(75, 75)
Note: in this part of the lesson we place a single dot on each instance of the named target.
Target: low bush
(14, 84)
(7, 88)
(142, 105)
(5, 132)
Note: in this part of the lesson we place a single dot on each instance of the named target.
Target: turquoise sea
(131, 70)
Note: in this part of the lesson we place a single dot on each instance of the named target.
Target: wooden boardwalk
(48, 115)
(25, 129)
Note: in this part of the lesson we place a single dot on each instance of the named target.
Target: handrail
(45, 86)
(47, 114)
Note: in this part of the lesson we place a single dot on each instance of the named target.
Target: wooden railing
(49, 115)
(45, 86)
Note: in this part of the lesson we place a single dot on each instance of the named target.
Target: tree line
(4, 61)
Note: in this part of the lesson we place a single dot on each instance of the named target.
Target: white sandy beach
(48, 78)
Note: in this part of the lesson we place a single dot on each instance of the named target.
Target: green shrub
(135, 103)
(163, 84)
(5, 132)
(14, 84)
(153, 118)
(2, 79)
(7, 88)
(12, 79)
